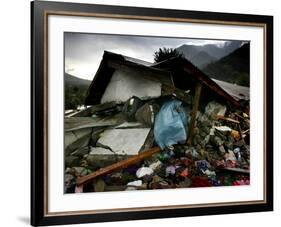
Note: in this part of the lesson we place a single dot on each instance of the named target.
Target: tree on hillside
(166, 53)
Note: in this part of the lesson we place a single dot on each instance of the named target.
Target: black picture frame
(39, 111)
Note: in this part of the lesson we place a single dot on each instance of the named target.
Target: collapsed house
(157, 125)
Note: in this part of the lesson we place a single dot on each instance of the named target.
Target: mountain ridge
(215, 52)
(233, 68)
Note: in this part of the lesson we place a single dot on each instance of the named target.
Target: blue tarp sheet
(170, 124)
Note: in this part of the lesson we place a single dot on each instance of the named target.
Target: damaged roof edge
(196, 73)
(110, 60)
(206, 80)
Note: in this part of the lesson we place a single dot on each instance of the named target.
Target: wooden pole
(197, 94)
(117, 166)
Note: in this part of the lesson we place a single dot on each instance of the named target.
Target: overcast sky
(83, 52)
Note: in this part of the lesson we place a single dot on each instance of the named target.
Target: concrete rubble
(218, 155)
(213, 149)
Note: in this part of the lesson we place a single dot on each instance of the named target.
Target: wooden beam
(197, 95)
(117, 166)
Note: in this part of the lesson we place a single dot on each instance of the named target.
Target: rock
(141, 172)
(198, 147)
(213, 109)
(216, 141)
(206, 130)
(203, 134)
(221, 149)
(229, 144)
(205, 123)
(207, 139)
(221, 135)
(124, 141)
(71, 161)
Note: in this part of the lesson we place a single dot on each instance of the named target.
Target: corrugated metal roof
(236, 91)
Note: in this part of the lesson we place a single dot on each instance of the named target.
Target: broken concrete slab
(76, 139)
(72, 161)
(149, 141)
(124, 141)
(129, 125)
(95, 136)
(69, 138)
(100, 157)
(100, 151)
(74, 123)
(101, 109)
(80, 152)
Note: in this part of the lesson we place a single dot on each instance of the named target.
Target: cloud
(83, 52)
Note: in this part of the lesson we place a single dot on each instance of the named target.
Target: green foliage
(243, 79)
(74, 96)
(166, 53)
(75, 90)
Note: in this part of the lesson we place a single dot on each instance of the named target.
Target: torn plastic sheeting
(170, 124)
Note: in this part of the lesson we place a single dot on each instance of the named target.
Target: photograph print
(151, 113)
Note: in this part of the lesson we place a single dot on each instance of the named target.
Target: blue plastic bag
(170, 124)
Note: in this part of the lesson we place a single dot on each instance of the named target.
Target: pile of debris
(218, 155)
(138, 133)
